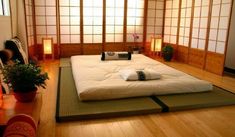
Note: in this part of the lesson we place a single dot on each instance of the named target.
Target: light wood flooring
(209, 122)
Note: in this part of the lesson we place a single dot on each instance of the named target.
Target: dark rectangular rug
(69, 107)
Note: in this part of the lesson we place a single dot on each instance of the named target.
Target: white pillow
(133, 75)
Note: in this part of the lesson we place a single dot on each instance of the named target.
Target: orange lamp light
(48, 47)
(156, 44)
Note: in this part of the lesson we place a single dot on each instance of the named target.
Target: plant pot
(25, 96)
(167, 57)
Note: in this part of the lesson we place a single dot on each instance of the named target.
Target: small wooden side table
(12, 107)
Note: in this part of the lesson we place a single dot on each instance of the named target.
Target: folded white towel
(132, 74)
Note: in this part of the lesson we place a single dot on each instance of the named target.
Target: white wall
(14, 16)
(21, 30)
(230, 57)
(5, 27)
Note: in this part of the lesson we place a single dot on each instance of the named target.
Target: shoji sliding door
(114, 21)
(69, 21)
(29, 22)
(92, 21)
(45, 16)
(184, 30)
(199, 33)
(219, 27)
(154, 18)
(135, 19)
(171, 21)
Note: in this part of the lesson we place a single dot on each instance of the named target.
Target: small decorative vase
(25, 96)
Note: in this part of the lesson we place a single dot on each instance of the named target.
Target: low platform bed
(100, 80)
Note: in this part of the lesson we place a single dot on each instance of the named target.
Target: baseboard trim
(229, 70)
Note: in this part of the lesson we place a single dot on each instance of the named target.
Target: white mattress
(99, 80)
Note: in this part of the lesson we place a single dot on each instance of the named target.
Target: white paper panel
(130, 38)
(223, 24)
(75, 20)
(64, 20)
(194, 43)
(215, 10)
(41, 30)
(109, 29)
(64, 11)
(214, 22)
(211, 46)
(203, 23)
(75, 29)
(186, 41)
(97, 29)
(51, 29)
(87, 38)
(109, 37)
(51, 20)
(204, 12)
(150, 21)
(118, 29)
(159, 13)
(65, 38)
(222, 34)
(40, 11)
(220, 48)
(158, 30)
(97, 38)
(118, 38)
(202, 33)
(74, 11)
(64, 30)
(40, 20)
(73, 2)
(225, 10)
(50, 11)
(75, 38)
(173, 39)
(201, 44)
(213, 34)
(51, 2)
(87, 29)
(38, 2)
(62, 2)
(196, 22)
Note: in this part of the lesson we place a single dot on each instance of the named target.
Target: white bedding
(99, 80)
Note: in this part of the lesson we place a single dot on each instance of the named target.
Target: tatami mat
(69, 107)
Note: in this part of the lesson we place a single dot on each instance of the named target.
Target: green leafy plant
(24, 77)
(168, 51)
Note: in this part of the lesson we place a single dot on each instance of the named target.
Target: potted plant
(167, 52)
(24, 79)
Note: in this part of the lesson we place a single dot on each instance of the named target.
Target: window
(114, 20)
(4, 8)
(92, 21)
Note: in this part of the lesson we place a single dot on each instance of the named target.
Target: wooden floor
(211, 122)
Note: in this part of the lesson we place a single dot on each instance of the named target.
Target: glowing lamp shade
(156, 44)
(47, 47)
